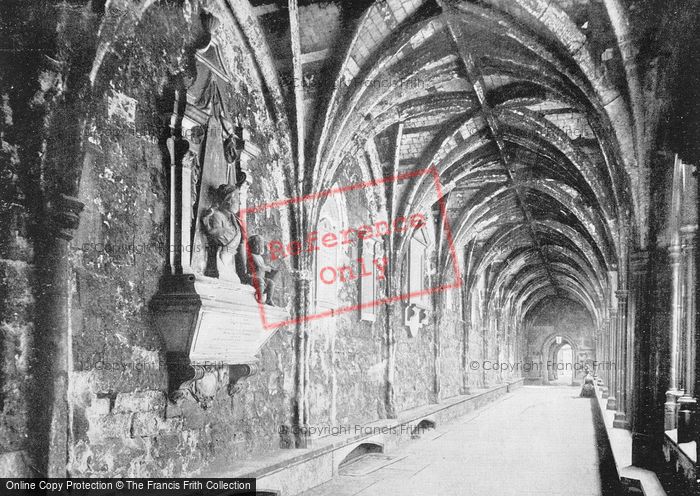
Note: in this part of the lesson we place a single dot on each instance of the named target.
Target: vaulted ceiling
(526, 108)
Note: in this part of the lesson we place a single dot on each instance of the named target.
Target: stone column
(673, 392)
(612, 388)
(618, 357)
(499, 341)
(646, 437)
(696, 254)
(175, 228)
(600, 353)
(696, 318)
(300, 411)
(688, 315)
(50, 361)
(603, 369)
(609, 341)
(621, 421)
(484, 354)
(439, 317)
(390, 348)
(606, 353)
(688, 236)
(466, 327)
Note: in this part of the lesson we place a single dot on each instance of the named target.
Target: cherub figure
(263, 275)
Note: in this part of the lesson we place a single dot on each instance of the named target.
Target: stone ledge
(687, 450)
(295, 470)
(683, 458)
(620, 441)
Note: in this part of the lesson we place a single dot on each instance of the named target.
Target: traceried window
(371, 251)
(328, 257)
(418, 269)
(326, 289)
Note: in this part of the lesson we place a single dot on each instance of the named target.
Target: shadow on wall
(609, 478)
(361, 450)
(423, 425)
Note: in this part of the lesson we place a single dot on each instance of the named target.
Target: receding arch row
(577, 271)
(568, 261)
(592, 246)
(603, 228)
(533, 136)
(505, 241)
(551, 59)
(532, 287)
(464, 225)
(510, 278)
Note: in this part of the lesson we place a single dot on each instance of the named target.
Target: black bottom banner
(118, 487)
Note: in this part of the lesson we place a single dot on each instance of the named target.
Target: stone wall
(414, 363)
(346, 366)
(16, 308)
(559, 317)
(451, 339)
(122, 424)
(26, 95)
(121, 421)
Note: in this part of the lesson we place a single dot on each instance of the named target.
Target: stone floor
(539, 440)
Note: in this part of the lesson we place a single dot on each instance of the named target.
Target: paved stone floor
(539, 440)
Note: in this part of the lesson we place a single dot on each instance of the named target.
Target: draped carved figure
(222, 228)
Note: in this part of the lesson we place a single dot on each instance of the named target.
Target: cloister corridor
(350, 247)
(542, 437)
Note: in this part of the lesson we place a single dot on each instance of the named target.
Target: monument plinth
(206, 308)
(207, 324)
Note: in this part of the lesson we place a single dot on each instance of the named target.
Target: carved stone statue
(223, 231)
(263, 275)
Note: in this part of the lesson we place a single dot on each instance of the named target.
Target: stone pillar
(606, 352)
(466, 327)
(612, 388)
(688, 237)
(438, 317)
(50, 361)
(621, 421)
(696, 253)
(603, 358)
(484, 354)
(610, 341)
(390, 349)
(673, 393)
(647, 437)
(688, 317)
(499, 340)
(696, 386)
(175, 227)
(300, 411)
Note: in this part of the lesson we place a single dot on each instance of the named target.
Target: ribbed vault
(529, 130)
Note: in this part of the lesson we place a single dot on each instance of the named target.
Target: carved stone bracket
(182, 375)
(65, 215)
(415, 318)
(207, 324)
(238, 372)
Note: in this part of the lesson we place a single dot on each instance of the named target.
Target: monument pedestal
(207, 324)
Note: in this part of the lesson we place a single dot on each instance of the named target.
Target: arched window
(328, 256)
(418, 268)
(369, 285)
